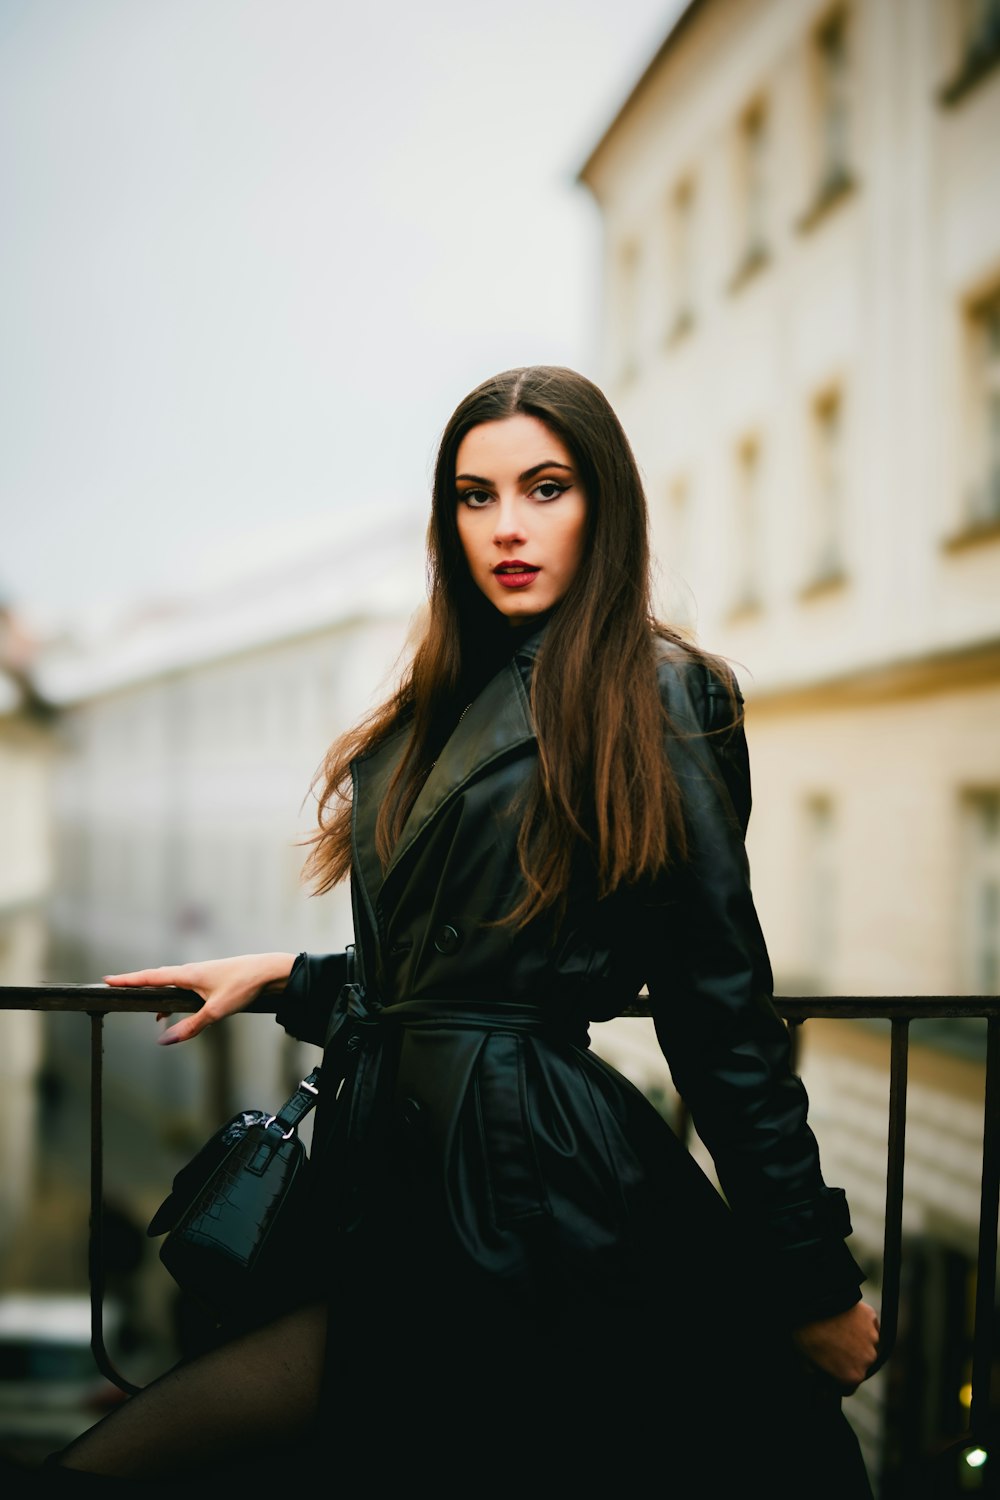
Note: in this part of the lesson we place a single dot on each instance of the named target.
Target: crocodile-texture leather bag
(235, 1211)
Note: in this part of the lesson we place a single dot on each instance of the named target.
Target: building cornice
(669, 42)
(951, 668)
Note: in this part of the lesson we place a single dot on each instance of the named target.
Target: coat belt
(499, 1016)
(488, 1042)
(355, 1021)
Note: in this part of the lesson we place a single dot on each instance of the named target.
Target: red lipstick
(515, 574)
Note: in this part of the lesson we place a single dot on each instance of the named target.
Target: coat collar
(497, 722)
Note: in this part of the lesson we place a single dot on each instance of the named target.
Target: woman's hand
(844, 1347)
(225, 984)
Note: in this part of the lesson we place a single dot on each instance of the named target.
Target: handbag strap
(295, 1109)
(282, 1127)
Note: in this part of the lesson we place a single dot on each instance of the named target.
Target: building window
(628, 310)
(754, 180)
(980, 30)
(832, 117)
(825, 560)
(819, 890)
(752, 185)
(746, 533)
(983, 508)
(980, 904)
(976, 27)
(680, 252)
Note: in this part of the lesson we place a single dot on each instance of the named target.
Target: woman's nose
(509, 523)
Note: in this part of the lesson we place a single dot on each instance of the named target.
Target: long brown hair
(604, 788)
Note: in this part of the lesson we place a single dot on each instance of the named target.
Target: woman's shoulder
(697, 688)
(703, 706)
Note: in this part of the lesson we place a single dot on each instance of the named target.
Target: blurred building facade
(26, 745)
(801, 276)
(185, 743)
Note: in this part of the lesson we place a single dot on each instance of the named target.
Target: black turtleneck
(494, 642)
(492, 648)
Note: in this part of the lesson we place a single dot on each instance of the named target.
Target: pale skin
(521, 515)
(843, 1347)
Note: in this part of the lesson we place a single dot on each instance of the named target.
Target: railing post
(986, 1261)
(95, 1247)
(893, 1239)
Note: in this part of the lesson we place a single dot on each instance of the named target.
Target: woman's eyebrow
(549, 463)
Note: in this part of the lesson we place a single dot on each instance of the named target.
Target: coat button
(447, 940)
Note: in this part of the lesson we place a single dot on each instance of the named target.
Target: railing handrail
(100, 1000)
(107, 999)
(110, 998)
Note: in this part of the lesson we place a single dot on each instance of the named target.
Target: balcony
(958, 1465)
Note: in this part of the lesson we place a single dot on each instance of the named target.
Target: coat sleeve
(710, 986)
(313, 984)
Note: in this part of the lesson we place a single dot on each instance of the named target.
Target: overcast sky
(253, 252)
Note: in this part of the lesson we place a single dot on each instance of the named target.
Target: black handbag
(236, 1211)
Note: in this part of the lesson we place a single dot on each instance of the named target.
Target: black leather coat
(529, 1280)
(471, 1041)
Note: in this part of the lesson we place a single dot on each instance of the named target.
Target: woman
(516, 1270)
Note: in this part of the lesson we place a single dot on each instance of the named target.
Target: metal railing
(99, 1001)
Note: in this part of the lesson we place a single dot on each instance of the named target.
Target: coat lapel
(497, 722)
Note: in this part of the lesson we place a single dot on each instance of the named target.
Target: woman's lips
(515, 574)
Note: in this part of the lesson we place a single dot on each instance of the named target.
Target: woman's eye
(549, 489)
(476, 499)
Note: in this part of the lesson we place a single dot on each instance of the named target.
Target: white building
(801, 213)
(25, 755)
(188, 742)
